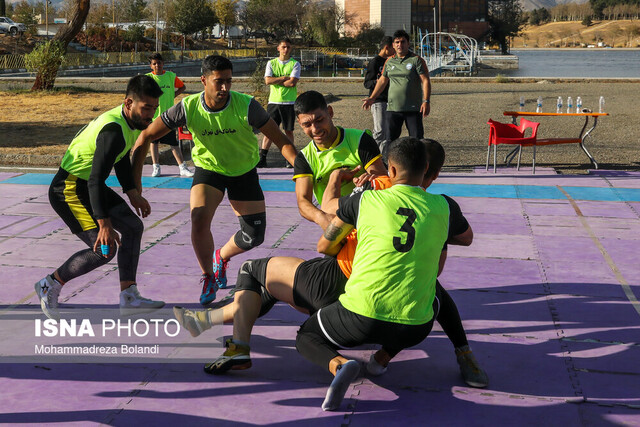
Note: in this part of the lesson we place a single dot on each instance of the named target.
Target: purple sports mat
(547, 293)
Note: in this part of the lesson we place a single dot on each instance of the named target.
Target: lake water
(574, 63)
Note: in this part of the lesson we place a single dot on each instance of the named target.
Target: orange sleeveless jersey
(348, 251)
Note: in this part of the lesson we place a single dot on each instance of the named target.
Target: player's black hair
(142, 85)
(284, 40)
(156, 56)
(215, 63)
(435, 156)
(309, 101)
(409, 154)
(386, 41)
(401, 34)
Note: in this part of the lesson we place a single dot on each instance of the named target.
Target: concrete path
(548, 293)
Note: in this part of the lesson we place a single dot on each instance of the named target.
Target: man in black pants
(390, 301)
(409, 97)
(93, 211)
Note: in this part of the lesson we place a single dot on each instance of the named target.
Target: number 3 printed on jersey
(407, 227)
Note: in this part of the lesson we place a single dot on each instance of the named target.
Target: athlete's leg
(177, 154)
(155, 152)
(130, 227)
(204, 201)
(242, 209)
(280, 278)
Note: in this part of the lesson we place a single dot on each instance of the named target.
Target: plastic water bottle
(522, 103)
(559, 105)
(579, 105)
(569, 105)
(601, 105)
(539, 106)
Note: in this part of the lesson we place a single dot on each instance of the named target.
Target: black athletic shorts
(169, 139)
(318, 283)
(413, 120)
(69, 197)
(243, 188)
(282, 113)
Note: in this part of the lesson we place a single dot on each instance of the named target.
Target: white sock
(344, 376)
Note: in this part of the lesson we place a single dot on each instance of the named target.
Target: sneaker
(262, 163)
(48, 290)
(185, 171)
(131, 302)
(209, 289)
(196, 322)
(374, 368)
(471, 371)
(220, 270)
(156, 170)
(235, 357)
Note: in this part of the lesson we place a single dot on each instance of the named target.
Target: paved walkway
(548, 293)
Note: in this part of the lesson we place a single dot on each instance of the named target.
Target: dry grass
(562, 34)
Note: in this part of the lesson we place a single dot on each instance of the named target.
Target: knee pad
(251, 233)
(252, 275)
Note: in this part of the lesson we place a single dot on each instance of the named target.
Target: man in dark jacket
(379, 108)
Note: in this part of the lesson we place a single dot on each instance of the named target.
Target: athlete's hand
(140, 204)
(364, 178)
(425, 109)
(345, 174)
(106, 236)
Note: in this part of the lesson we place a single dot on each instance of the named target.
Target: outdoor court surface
(548, 293)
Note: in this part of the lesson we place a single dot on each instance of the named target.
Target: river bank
(36, 128)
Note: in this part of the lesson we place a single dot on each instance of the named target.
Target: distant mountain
(547, 4)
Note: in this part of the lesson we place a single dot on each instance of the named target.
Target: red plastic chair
(507, 133)
(185, 140)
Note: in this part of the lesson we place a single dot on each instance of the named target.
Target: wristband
(104, 249)
(425, 101)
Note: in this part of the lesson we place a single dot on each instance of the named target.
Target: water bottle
(569, 105)
(601, 105)
(539, 107)
(559, 105)
(579, 105)
(522, 103)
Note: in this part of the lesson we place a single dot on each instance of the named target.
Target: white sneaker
(156, 170)
(374, 368)
(184, 170)
(48, 290)
(131, 302)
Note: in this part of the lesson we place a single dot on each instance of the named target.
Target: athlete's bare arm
(155, 131)
(331, 241)
(273, 132)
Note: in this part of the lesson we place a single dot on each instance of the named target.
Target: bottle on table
(559, 105)
(579, 105)
(569, 105)
(539, 106)
(522, 103)
(601, 105)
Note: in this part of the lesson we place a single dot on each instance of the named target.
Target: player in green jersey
(225, 155)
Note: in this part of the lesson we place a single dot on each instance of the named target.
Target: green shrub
(45, 60)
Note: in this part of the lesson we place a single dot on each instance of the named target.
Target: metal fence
(9, 62)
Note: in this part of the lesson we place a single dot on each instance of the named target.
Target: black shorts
(69, 197)
(318, 283)
(169, 139)
(243, 188)
(282, 113)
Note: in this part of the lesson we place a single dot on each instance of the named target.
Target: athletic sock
(345, 374)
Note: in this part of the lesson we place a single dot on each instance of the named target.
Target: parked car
(13, 28)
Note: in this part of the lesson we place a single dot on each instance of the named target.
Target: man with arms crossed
(282, 75)
(225, 155)
(94, 212)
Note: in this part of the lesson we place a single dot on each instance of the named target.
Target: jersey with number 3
(400, 232)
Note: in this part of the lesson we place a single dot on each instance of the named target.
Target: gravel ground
(460, 110)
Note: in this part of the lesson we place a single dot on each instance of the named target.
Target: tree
(135, 10)
(3, 8)
(273, 17)
(191, 16)
(226, 13)
(23, 12)
(506, 19)
(587, 22)
(326, 22)
(64, 35)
